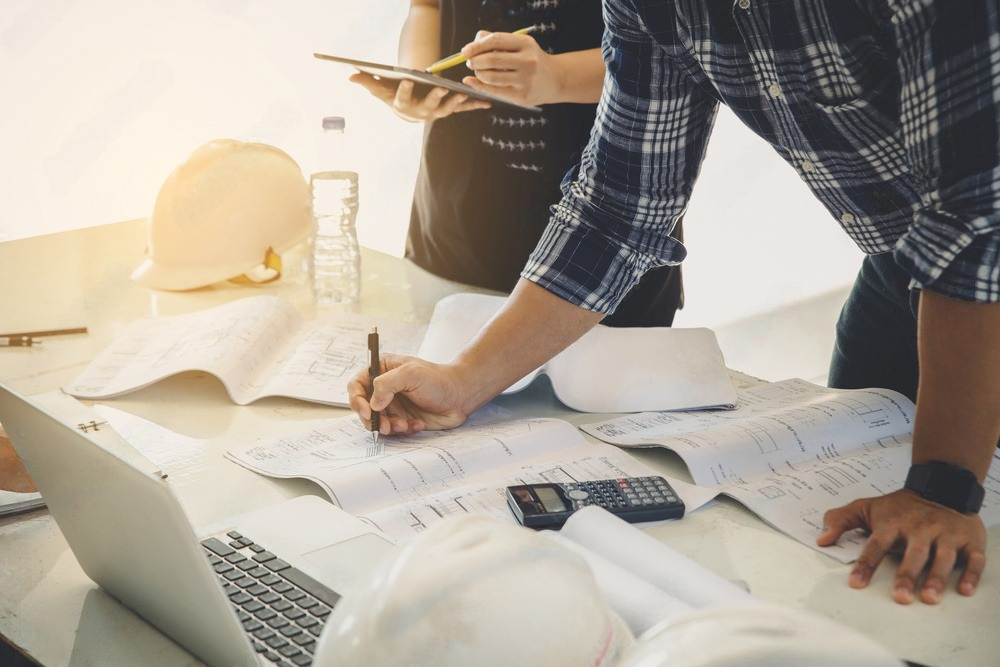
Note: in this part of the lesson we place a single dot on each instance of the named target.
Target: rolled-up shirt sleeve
(949, 67)
(635, 175)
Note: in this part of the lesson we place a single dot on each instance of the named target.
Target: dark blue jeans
(877, 331)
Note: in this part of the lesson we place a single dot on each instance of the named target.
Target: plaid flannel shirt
(888, 110)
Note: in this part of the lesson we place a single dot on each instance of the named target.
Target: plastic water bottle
(336, 255)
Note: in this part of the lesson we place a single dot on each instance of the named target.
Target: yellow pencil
(458, 58)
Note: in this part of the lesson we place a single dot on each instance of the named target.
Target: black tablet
(394, 73)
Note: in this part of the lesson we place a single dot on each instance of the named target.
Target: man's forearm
(958, 402)
(420, 39)
(533, 326)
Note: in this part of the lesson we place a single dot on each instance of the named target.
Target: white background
(103, 98)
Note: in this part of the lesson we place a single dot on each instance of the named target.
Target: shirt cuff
(579, 263)
(949, 257)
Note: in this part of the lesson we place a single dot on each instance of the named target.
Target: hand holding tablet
(423, 82)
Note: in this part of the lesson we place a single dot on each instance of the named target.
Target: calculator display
(550, 499)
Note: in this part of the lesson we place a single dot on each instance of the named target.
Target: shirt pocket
(844, 65)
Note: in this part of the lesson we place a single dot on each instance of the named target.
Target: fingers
(376, 87)
(974, 566)
(499, 61)
(486, 42)
(875, 549)
(934, 538)
(838, 521)
(436, 104)
(402, 101)
(399, 421)
(472, 105)
(357, 393)
(395, 420)
(411, 395)
(431, 102)
(400, 426)
(916, 556)
(496, 78)
(944, 560)
(451, 105)
(404, 105)
(516, 93)
(935, 556)
(944, 557)
(503, 60)
(511, 75)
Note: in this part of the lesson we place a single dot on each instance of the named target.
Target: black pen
(374, 368)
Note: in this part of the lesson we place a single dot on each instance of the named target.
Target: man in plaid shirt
(890, 112)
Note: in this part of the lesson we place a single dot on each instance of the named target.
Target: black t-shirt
(487, 178)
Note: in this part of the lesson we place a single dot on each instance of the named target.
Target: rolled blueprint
(629, 548)
(639, 604)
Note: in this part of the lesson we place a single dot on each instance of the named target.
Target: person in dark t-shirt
(488, 176)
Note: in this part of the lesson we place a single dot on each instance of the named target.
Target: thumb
(838, 521)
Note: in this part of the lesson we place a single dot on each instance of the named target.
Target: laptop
(255, 590)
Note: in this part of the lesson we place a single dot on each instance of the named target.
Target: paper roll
(639, 604)
(634, 551)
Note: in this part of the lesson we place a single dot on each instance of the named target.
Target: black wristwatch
(946, 484)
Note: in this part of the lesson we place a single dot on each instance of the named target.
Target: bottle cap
(333, 123)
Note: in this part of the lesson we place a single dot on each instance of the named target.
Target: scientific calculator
(633, 499)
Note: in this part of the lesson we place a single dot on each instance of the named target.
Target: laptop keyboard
(282, 609)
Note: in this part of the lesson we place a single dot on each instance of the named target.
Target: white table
(52, 612)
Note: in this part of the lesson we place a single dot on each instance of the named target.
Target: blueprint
(259, 346)
(413, 481)
(792, 450)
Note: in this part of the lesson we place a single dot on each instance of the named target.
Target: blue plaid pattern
(888, 110)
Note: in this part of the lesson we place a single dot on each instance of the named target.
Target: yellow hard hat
(231, 207)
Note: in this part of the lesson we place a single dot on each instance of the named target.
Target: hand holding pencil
(513, 65)
(466, 52)
(510, 65)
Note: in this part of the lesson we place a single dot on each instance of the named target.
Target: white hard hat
(755, 635)
(473, 590)
(228, 209)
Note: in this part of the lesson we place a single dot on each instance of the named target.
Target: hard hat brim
(179, 279)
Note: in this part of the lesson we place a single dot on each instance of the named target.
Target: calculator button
(578, 494)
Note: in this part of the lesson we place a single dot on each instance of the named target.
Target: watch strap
(946, 484)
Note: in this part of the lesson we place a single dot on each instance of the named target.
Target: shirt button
(808, 166)
(774, 90)
(847, 218)
(744, 4)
